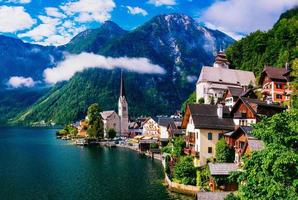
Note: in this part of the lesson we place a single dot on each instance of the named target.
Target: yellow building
(205, 125)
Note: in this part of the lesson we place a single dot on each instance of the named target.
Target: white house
(214, 81)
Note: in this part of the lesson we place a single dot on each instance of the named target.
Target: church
(112, 120)
(214, 81)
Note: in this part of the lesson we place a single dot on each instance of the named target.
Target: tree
(270, 173)
(184, 171)
(281, 129)
(178, 146)
(189, 100)
(223, 153)
(93, 113)
(95, 128)
(111, 133)
(201, 100)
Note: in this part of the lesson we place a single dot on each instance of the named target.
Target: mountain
(274, 47)
(175, 42)
(25, 59)
(93, 40)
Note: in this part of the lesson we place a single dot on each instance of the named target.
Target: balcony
(190, 151)
(239, 115)
(191, 139)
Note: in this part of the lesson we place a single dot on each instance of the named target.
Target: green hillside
(274, 47)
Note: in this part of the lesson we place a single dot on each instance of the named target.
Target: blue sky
(55, 22)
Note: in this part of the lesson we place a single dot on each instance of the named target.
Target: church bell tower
(123, 108)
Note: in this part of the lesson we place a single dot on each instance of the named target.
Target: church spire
(122, 87)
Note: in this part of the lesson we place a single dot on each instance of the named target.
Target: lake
(34, 165)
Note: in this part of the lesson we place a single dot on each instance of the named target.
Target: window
(209, 136)
(124, 108)
(219, 136)
(209, 149)
(278, 96)
(278, 85)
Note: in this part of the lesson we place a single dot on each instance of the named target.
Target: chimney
(287, 65)
(219, 110)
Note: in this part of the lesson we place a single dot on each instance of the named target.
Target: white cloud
(162, 2)
(54, 12)
(191, 78)
(77, 63)
(245, 16)
(14, 19)
(18, 1)
(90, 10)
(136, 11)
(20, 81)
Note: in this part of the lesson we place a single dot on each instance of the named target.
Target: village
(213, 134)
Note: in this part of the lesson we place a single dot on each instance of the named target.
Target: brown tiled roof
(261, 107)
(235, 91)
(276, 73)
(222, 168)
(205, 116)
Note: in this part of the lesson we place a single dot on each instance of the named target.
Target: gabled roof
(165, 121)
(222, 168)
(106, 114)
(205, 116)
(258, 107)
(244, 129)
(226, 76)
(274, 73)
(235, 91)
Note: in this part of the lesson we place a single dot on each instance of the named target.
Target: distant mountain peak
(110, 25)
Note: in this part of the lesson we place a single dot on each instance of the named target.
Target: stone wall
(180, 188)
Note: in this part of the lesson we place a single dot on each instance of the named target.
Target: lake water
(34, 165)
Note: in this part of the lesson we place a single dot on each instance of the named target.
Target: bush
(178, 146)
(153, 146)
(223, 153)
(203, 175)
(111, 133)
(232, 196)
(184, 171)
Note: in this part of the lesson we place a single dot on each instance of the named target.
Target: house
(243, 142)
(221, 170)
(232, 94)
(175, 129)
(247, 111)
(275, 84)
(205, 125)
(214, 81)
(110, 120)
(163, 123)
(151, 128)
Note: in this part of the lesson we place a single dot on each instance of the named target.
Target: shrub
(223, 153)
(184, 171)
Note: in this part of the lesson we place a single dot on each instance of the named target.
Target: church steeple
(122, 87)
(123, 108)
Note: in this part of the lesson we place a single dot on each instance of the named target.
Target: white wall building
(110, 120)
(123, 109)
(214, 81)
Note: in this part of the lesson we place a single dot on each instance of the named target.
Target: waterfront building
(214, 81)
(82, 128)
(175, 129)
(243, 142)
(151, 128)
(275, 84)
(247, 111)
(110, 120)
(123, 109)
(205, 125)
